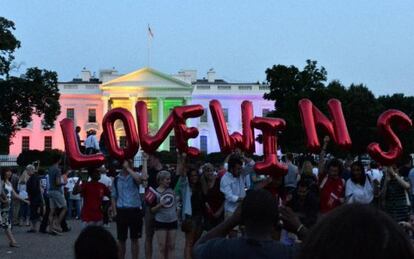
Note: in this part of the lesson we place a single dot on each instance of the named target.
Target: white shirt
(92, 142)
(232, 188)
(107, 181)
(375, 174)
(356, 193)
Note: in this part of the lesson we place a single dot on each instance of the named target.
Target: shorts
(128, 218)
(149, 222)
(56, 200)
(165, 225)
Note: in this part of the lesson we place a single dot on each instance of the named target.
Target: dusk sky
(369, 42)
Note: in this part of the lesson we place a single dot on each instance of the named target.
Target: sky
(369, 42)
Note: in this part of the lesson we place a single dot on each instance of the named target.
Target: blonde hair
(307, 168)
(162, 175)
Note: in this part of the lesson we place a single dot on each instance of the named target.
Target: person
(233, 186)
(190, 193)
(259, 213)
(331, 185)
(92, 193)
(395, 194)
(213, 197)
(359, 188)
(127, 208)
(291, 178)
(5, 199)
(15, 204)
(151, 165)
(37, 203)
(305, 203)
(74, 201)
(164, 208)
(57, 202)
(374, 172)
(21, 187)
(106, 202)
(78, 139)
(91, 143)
(356, 231)
(95, 242)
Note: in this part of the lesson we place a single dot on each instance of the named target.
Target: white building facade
(87, 99)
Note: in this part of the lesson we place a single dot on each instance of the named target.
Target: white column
(133, 100)
(187, 101)
(160, 107)
(105, 100)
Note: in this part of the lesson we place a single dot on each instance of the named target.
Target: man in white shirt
(233, 186)
(91, 143)
(106, 202)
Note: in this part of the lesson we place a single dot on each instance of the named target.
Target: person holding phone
(396, 198)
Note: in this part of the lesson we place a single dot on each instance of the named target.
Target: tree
(21, 97)
(8, 44)
(287, 86)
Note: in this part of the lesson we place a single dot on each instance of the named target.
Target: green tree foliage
(20, 97)
(361, 108)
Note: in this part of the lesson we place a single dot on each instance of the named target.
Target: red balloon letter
(182, 133)
(131, 134)
(229, 142)
(384, 125)
(151, 143)
(75, 158)
(269, 127)
(312, 117)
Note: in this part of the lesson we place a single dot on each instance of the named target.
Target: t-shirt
(54, 173)
(105, 180)
(332, 190)
(92, 193)
(152, 178)
(243, 248)
(168, 212)
(33, 190)
(291, 177)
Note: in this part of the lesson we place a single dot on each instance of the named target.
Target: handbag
(150, 195)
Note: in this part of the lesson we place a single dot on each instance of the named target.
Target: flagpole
(149, 47)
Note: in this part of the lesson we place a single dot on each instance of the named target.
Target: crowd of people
(327, 209)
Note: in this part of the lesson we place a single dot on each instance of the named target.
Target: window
(70, 87)
(203, 87)
(150, 115)
(92, 115)
(265, 112)
(122, 141)
(224, 87)
(226, 114)
(245, 87)
(48, 142)
(172, 143)
(203, 144)
(70, 113)
(25, 143)
(264, 87)
(203, 117)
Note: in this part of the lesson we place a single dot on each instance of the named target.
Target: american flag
(150, 32)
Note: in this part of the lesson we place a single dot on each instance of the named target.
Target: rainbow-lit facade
(87, 99)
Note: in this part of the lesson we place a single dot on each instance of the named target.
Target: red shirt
(331, 191)
(92, 193)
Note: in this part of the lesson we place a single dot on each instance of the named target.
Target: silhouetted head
(359, 232)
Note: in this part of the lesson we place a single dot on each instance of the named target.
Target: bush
(29, 156)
